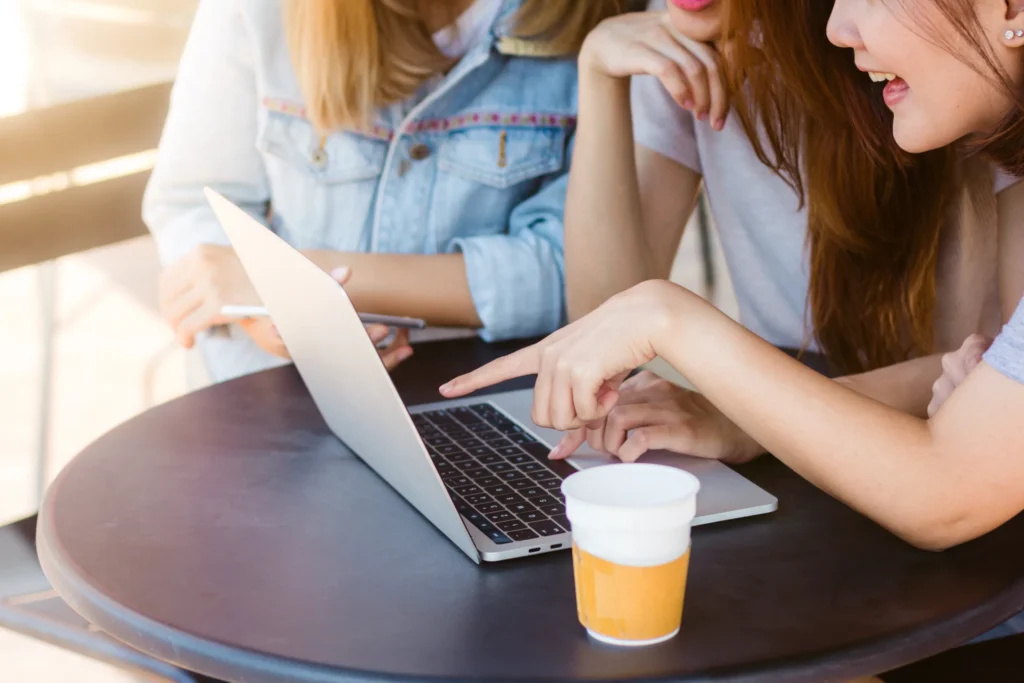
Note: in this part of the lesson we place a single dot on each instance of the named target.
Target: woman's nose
(842, 26)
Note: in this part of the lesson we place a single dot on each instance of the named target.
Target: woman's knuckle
(693, 68)
(577, 373)
(949, 361)
(666, 70)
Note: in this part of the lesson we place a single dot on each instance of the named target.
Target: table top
(230, 533)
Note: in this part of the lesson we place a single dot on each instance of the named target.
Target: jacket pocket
(502, 158)
(321, 188)
(341, 157)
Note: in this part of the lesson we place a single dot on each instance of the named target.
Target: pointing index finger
(519, 364)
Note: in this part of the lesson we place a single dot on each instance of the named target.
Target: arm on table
(432, 287)
(904, 386)
(935, 482)
(510, 285)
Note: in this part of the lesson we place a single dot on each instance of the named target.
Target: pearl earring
(1008, 34)
(1020, 33)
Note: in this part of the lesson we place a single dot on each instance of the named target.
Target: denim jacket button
(319, 157)
(419, 152)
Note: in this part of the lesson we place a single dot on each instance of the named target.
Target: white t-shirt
(470, 28)
(760, 224)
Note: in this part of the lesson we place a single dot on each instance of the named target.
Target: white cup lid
(631, 496)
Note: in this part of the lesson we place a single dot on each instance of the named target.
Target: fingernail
(445, 388)
(687, 104)
(719, 124)
(340, 273)
(701, 115)
(405, 353)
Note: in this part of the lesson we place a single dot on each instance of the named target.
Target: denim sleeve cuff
(516, 283)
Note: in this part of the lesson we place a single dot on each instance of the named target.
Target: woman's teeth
(878, 76)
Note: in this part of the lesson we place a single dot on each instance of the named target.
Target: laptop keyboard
(498, 476)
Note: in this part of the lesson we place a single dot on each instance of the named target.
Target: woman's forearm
(604, 244)
(433, 287)
(905, 386)
(881, 461)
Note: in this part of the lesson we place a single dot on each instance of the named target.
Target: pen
(237, 312)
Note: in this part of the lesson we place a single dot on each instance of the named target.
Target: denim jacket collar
(505, 25)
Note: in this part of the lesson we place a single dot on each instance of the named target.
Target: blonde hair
(353, 56)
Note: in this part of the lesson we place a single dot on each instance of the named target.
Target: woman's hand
(653, 414)
(397, 350)
(193, 290)
(265, 334)
(646, 43)
(955, 368)
(580, 367)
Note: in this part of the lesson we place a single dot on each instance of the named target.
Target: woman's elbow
(945, 530)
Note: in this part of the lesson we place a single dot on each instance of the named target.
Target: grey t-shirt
(1007, 352)
(759, 221)
(763, 230)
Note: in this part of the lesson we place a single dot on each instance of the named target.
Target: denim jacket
(477, 163)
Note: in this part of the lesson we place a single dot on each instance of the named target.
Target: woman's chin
(704, 27)
(920, 134)
(913, 140)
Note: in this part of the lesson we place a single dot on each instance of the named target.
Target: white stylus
(239, 312)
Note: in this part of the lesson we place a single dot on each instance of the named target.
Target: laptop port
(556, 546)
(534, 550)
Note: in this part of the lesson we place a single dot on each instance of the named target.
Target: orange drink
(631, 549)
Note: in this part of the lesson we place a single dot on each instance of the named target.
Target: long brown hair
(875, 213)
(353, 56)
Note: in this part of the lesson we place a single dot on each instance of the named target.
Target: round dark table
(229, 533)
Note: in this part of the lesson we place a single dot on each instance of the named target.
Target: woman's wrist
(592, 74)
(594, 83)
(673, 311)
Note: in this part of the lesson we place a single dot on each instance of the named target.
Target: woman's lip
(692, 5)
(894, 92)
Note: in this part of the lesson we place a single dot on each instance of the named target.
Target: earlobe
(1012, 31)
(1013, 27)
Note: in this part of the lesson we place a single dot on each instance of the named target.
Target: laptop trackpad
(724, 494)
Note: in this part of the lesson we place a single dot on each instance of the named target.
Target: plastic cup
(631, 549)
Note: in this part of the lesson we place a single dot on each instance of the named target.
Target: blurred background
(83, 92)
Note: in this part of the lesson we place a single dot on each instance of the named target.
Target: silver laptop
(476, 468)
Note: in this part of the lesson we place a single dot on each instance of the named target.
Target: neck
(439, 15)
